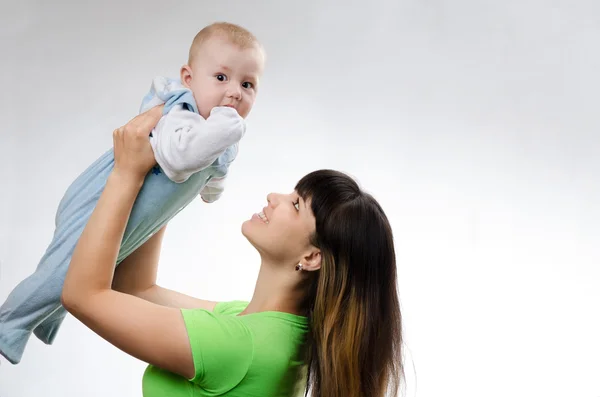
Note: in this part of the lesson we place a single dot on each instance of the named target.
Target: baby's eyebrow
(224, 67)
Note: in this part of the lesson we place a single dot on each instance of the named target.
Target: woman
(324, 316)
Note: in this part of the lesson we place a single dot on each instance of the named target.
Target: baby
(194, 143)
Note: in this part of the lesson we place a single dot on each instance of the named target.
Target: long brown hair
(354, 347)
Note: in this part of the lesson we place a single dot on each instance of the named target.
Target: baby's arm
(185, 143)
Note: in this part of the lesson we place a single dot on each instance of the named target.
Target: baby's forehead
(220, 42)
(231, 55)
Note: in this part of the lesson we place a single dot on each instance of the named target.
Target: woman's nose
(272, 198)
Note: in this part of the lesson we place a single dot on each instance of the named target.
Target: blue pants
(34, 304)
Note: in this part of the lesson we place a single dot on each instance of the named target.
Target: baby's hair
(234, 33)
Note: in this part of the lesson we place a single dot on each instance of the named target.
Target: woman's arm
(149, 332)
(136, 275)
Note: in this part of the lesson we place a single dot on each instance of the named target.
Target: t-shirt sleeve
(221, 349)
(185, 143)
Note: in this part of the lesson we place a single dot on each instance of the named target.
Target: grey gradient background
(474, 123)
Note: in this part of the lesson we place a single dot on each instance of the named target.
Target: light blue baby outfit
(34, 304)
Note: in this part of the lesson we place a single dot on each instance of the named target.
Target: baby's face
(223, 74)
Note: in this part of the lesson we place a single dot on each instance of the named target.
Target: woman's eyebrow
(305, 203)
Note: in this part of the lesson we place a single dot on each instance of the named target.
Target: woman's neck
(277, 289)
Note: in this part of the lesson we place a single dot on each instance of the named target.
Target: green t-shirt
(257, 354)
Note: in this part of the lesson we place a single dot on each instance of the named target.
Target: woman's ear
(312, 260)
(186, 75)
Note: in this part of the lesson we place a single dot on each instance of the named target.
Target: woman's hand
(133, 153)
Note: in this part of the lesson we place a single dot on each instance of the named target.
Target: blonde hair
(234, 33)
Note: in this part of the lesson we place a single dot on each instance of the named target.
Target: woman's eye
(247, 85)
(221, 77)
(297, 205)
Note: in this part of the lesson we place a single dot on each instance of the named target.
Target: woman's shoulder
(231, 308)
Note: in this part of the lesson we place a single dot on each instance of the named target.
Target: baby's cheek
(203, 110)
(245, 110)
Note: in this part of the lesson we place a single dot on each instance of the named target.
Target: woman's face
(281, 231)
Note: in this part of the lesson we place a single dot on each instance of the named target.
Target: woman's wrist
(126, 180)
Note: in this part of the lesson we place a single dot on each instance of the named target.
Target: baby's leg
(30, 302)
(37, 297)
(46, 331)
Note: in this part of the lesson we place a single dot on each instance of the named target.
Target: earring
(299, 267)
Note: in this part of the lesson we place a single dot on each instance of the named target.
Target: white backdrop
(473, 122)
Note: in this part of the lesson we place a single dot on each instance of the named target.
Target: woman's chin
(247, 229)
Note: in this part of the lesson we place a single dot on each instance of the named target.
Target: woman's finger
(132, 149)
(145, 122)
(116, 134)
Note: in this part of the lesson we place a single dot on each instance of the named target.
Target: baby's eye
(247, 85)
(221, 77)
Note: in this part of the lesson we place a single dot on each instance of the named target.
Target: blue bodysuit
(193, 156)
